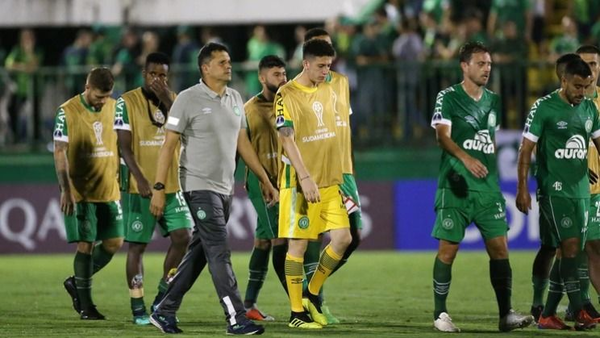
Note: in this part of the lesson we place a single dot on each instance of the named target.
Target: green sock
(539, 288)
(162, 286)
(258, 267)
(311, 260)
(442, 275)
(501, 278)
(100, 257)
(584, 278)
(570, 276)
(83, 267)
(555, 290)
(138, 307)
(279, 252)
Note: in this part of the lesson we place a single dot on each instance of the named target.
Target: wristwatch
(158, 186)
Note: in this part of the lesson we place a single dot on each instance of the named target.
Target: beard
(272, 88)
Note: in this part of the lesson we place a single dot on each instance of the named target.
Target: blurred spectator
(585, 13)
(209, 35)
(259, 46)
(296, 59)
(150, 44)
(431, 33)
(185, 57)
(439, 10)
(449, 43)
(409, 44)
(7, 87)
(74, 59)
(387, 29)
(23, 60)
(101, 49)
(473, 19)
(125, 68)
(567, 42)
(518, 11)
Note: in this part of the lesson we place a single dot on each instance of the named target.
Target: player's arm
(309, 187)
(124, 139)
(165, 158)
(442, 133)
(523, 164)
(246, 151)
(67, 200)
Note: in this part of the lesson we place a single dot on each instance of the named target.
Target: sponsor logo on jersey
(59, 124)
(482, 142)
(562, 125)
(206, 111)
(119, 122)
(575, 148)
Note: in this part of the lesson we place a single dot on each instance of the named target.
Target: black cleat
(536, 312)
(246, 329)
(71, 288)
(91, 313)
(591, 310)
(165, 324)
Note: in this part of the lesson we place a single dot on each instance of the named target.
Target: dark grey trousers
(208, 245)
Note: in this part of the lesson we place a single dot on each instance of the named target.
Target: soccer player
(209, 119)
(465, 119)
(560, 125)
(341, 92)
(260, 117)
(140, 116)
(309, 179)
(86, 162)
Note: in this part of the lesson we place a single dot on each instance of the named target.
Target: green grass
(378, 294)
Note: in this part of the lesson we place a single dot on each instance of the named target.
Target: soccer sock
(584, 278)
(138, 307)
(329, 260)
(555, 290)
(293, 277)
(442, 275)
(501, 277)
(258, 267)
(83, 267)
(539, 287)
(279, 252)
(101, 257)
(568, 272)
(311, 259)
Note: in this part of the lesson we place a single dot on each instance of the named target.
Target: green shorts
(267, 217)
(593, 228)
(454, 214)
(140, 223)
(563, 218)
(94, 221)
(352, 201)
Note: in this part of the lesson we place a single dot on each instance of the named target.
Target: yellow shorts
(302, 220)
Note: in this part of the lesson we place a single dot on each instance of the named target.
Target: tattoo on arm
(61, 163)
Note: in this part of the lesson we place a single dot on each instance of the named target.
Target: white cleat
(444, 323)
(514, 320)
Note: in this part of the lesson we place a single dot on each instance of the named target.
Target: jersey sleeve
(283, 117)
(121, 115)
(243, 120)
(60, 127)
(595, 122)
(534, 124)
(178, 116)
(442, 114)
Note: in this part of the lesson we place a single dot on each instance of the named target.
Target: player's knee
(180, 238)
(341, 241)
(136, 248)
(262, 244)
(112, 245)
(592, 248)
(547, 251)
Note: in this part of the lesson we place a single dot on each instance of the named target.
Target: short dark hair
(588, 49)
(270, 61)
(468, 49)
(157, 58)
(562, 61)
(317, 48)
(205, 53)
(101, 78)
(314, 32)
(578, 67)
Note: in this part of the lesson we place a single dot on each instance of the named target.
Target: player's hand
(161, 89)
(270, 194)
(310, 190)
(67, 202)
(157, 203)
(475, 167)
(144, 188)
(523, 201)
(593, 177)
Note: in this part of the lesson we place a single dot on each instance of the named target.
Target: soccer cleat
(513, 320)
(165, 324)
(71, 288)
(569, 315)
(246, 329)
(552, 323)
(331, 319)
(301, 320)
(91, 313)
(254, 313)
(311, 304)
(141, 319)
(584, 321)
(591, 310)
(536, 312)
(444, 323)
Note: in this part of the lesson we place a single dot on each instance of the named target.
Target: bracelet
(305, 177)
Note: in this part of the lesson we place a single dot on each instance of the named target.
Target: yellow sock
(294, 274)
(329, 260)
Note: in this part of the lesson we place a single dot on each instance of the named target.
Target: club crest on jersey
(482, 142)
(159, 116)
(137, 226)
(588, 125)
(236, 110)
(575, 148)
(303, 222)
(492, 119)
(318, 110)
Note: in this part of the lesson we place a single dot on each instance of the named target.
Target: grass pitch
(377, 294)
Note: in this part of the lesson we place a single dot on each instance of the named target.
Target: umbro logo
(206, 111)
(562, 125)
